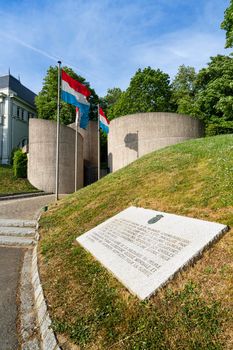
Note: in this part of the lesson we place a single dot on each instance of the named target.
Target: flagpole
(58, 129)
(76, 154)
(98, 141)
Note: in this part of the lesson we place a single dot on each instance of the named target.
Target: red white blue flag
(104, 122)
(76, 94)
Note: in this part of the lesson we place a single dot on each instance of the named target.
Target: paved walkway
(10, 267)
(10, 263)
(27, 208)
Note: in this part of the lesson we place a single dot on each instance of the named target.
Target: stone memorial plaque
(145, 248)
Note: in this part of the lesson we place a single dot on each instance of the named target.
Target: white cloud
(106, 41)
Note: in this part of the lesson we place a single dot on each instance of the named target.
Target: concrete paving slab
(17, 231)
(16, 241)
(10, 264)
(17, 223)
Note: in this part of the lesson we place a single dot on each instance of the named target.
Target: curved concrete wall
(42, 156)
(132, 136)
(90, 141)
(90, 151)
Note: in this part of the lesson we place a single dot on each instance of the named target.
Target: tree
(46, 101)
(214, 98)
(227, 25)
(112, 96)
(149, 91)
(183, 90)
(108, 101)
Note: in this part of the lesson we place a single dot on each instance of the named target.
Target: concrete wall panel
(90, 141)
(90, 151)
(42, 156)
(135, 135)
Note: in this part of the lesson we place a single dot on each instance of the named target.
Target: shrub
(20, 164)
(225, 127)
(12, 154)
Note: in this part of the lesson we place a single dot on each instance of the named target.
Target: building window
(19, 112)
(24, 142)
(14, 112)
(25, 115)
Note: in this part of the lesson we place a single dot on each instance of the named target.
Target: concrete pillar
(42, 156)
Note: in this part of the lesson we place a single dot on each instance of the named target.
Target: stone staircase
(17, 232)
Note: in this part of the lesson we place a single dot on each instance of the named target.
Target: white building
(16, 107)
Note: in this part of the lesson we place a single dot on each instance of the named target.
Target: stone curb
(48, 339)
(30, 339)
(23, 195)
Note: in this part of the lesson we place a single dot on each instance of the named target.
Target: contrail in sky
(21, 42)
(41, 52)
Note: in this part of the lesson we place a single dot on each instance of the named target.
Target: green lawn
(90, 309)
(9, 184)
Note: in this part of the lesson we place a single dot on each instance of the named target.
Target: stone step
(19, 241)
(17, 223)
(17, 231)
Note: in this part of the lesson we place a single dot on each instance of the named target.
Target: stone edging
(48, 339)
(23, 195)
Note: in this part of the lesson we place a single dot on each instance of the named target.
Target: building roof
(8, 81)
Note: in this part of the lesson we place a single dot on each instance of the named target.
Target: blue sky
(106, 41)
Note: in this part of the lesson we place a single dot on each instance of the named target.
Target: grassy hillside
(9, 184)
(91, 309)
